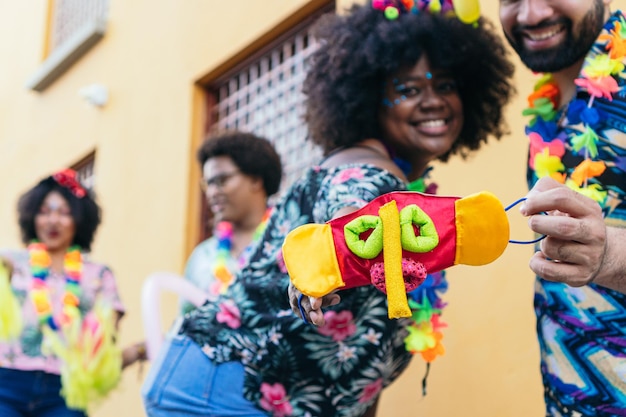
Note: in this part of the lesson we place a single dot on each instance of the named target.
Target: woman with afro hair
(58, 356)
(386, 96)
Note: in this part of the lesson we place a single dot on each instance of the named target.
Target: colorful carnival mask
(394, 241)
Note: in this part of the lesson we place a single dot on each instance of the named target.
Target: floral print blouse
(97, 281)
(292, 368)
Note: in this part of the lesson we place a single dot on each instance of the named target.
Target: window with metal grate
(69, 17)
(85, 171)
(263, 95)
(74, 27)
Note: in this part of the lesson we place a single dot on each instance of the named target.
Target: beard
(570, 51)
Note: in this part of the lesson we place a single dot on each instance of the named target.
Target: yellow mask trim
(482, 229)
(398, 305)
(298, 247)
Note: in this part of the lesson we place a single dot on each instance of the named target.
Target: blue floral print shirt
(582, 331)
(295, 369)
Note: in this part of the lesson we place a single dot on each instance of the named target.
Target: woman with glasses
(240, 171)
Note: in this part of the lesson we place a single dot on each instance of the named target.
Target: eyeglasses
(218, 181)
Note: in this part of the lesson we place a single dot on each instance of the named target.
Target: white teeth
(543, 36)
(433, 123)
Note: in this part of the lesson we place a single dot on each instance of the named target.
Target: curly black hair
(86, 213)
(254, 156)
(360, 49)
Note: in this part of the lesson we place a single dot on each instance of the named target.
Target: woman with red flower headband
(59, 352)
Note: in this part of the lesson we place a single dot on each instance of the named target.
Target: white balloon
(151, 291)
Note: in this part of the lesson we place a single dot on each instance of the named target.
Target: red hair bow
(67, 178)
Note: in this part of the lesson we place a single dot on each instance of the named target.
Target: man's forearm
(612, 273)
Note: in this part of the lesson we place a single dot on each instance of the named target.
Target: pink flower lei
(224, 235)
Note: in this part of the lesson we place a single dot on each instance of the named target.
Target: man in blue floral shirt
(577, 168)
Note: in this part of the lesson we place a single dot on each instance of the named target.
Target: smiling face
(552, 35)
(54, 224)
(422, 113)
(229, 191)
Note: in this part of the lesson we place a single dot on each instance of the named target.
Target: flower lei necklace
(426, 303)
(40, 292)
(224, 235)
(91, 363)
(548, 145)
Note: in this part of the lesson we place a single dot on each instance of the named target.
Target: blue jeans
(183, 382)
(32, 394)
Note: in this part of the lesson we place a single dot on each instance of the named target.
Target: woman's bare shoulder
(369, 151)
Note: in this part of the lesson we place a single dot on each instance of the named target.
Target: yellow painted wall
(145, 137)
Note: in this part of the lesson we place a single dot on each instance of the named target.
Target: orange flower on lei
(616, 40)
